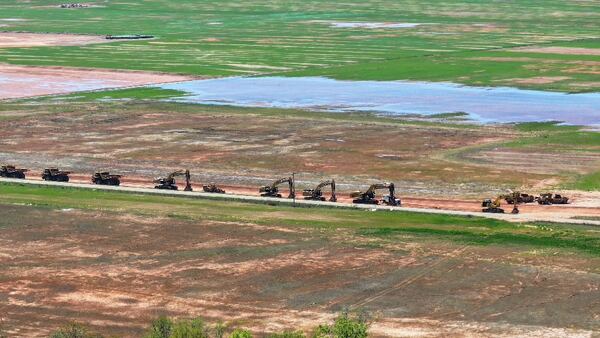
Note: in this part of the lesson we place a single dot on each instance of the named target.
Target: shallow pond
(486, 105)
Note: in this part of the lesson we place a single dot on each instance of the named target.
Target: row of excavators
(169, 182)
(368, 196)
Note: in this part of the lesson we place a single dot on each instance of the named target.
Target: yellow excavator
(369, 196)
(316, 194)
(273, 189)
(494, 206)
(168, 183)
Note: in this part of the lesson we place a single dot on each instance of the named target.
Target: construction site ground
(99, 258)
(435, 165)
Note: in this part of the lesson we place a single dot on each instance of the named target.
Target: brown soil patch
(23, 81)
(18, 40)
(559, 50)
(539, 80)
(119, 272)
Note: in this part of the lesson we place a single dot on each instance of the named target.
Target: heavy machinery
(316, 194)
(549, 198)
(273, 189)
(494, 206)
(168, 183)
(369, 196)
(56, 175)
(521, 198)
(10, 171)
(212, 188)
(106, 178)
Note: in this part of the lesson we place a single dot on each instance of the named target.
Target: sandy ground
(19, 40)
(22, 81)
(118, 271)
(560, 50)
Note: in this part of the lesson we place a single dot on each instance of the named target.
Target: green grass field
(460, 41)
(377, 225)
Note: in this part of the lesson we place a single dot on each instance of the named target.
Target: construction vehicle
(549, 198)
(369, 196)
(520, 198)
(494, 206)
(212, 188)
(273, 189)
(10, 171)
(316, 194)
(168, 183)
(106, 178)
(129, 37)
(56, 175)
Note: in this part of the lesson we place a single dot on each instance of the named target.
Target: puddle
(498, 105)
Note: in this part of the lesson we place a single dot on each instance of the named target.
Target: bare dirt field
(23, 40)
(23, 81)
(118, 271)
(219, 145)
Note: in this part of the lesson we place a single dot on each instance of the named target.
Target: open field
(470, 42)
(68, 255)
(247, 147)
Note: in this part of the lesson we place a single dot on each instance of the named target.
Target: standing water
(486, 105)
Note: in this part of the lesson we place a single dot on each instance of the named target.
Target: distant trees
(344, 326)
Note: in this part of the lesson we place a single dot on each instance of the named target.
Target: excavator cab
(10, 171)
(369, 196)
(169, 183)
(316, 194)
(273, 189)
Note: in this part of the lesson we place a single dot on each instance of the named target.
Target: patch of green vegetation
(549, 126)
(468, 230)
(589, 182)
(449, 115)
(221, 38)
(141, 93)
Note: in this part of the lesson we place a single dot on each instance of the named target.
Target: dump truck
(316, 194)
(521, 198)
(549, 198)
(10, 171)
(169, 183)
(369, 196)
(273, 189)
(106, 178)
(56, 175)
(212, 188)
